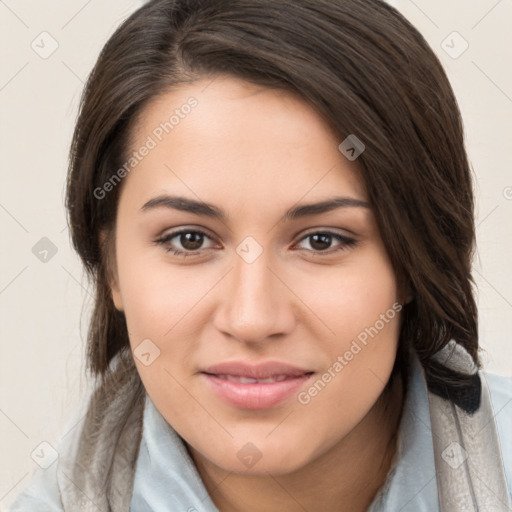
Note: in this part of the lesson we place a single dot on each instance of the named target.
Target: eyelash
(345, 242)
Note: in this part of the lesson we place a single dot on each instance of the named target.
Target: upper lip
(263, 370)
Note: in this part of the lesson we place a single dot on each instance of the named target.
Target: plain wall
(42, 314)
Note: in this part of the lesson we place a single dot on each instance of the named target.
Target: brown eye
(185, 242)
(322, 241)
(191, 240)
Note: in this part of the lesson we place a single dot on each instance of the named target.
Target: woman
(275, 204)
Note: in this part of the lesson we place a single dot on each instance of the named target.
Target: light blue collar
(166, 477)
(411, 485)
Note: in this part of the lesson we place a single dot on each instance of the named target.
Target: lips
(250, 380)
(261, 386)
(269, 370)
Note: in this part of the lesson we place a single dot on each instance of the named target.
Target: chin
(259, 459)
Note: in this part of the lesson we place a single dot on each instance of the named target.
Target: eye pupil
(321, 241)
(191, 240)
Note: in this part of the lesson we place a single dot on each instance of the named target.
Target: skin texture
(255, 153)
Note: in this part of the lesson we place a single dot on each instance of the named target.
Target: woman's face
(299, 304)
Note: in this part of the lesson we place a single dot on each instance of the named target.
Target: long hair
(363, 67)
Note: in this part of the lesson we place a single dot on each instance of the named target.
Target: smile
(249, 380)
(246, 384)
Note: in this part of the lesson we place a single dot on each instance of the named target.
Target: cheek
(160, 303)
(359, 306)
(352, 298)
(155, 294)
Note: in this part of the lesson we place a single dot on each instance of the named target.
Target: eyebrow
(209, 210)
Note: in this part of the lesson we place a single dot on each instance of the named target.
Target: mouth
(249, 380)
(262, 386)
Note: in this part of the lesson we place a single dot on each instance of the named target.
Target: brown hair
(368, 72)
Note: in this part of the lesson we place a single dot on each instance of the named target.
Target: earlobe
(116, 297)
(109, 261)
(408, 295)
(113, 282)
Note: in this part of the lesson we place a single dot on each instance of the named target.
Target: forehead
(229, 141)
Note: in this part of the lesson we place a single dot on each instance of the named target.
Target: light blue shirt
(166, 478)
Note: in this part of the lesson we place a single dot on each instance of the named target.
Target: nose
(255, 302)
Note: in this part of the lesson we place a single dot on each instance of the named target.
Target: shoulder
(98, 444)
(41, 491)
(500, 389)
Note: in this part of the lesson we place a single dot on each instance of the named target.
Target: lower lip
(255, 396)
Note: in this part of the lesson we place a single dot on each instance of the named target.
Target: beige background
(42, 317)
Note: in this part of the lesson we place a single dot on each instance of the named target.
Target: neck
(345, 479)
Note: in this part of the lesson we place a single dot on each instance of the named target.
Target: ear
(107, 243)
(116, 296)
(407, 294)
